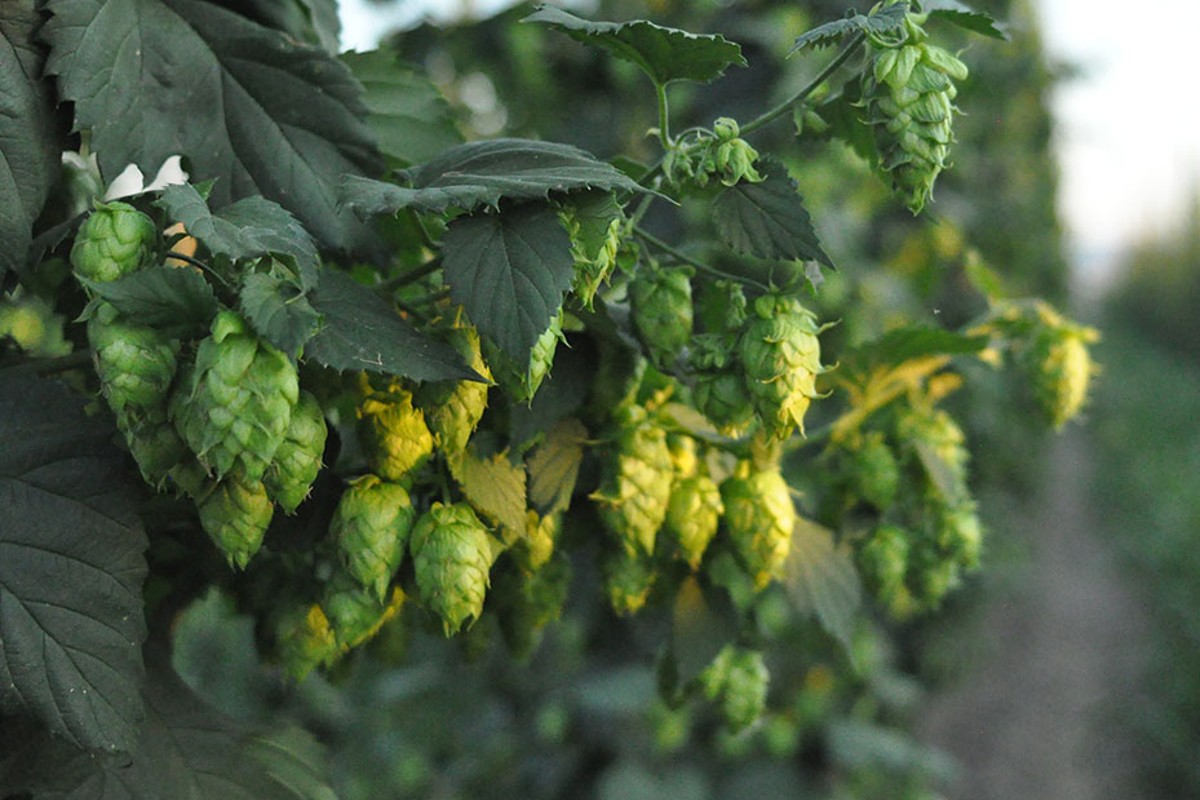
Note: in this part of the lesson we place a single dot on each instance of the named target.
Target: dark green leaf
(509, 272)
(768, 219)
(554, 466)
(665, 54)
(887, 20)
(29, 143)
(483, 173)
(175, 299)
(409, 116)
(279, 310)
(561, 394)
(360, 330)
(248, 106)
(186, 750)
(965, 17)
(821, 579)
(495, 487)
(313, 21)
(845, 120)
(71, 570)
(250, 228)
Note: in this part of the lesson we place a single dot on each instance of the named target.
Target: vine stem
(52, 366)
(771, 115)
(654, 241)
(664, 118)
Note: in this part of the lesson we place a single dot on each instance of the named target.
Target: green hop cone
(356, 614)
(453, 409)
(135, 363)
(628, 579)
(693, 516)
(781, 358)
(932, 575)
(528, 602)
(537, 547)
(113, 241)
(370, 526)
(660, 300)
(1060, 370)
(161, 455)
(594, 221)
(939, 443)
(30, 322)
(236, 515)
(233, 408)
(745, 692)
(521, 382)
(452, 556)
(393, 433)
(959, 533)
(298, 459)
(759, 517)
(305, 640)
(883, 562)
(909, 98)
(875, 472)
(636, 489)
(731, 158)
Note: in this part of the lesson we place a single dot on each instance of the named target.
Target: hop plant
(453, 409)
(781, 357)
(136, 364)
(298, 459)
(730, 158)
(30, 322)
(628, 578)
(934, 431)
(370, 526)
(452, 555)
(528, 602)
(161, 455)
(883, 562)
(1060, 369)
(113, 241)
(235, 405)
(305, 640)
(875, 473)
(739, 678)
(393, 432)
(759, 517)
(720, 391)
(594, 224)
(236, 515)
(661, 303)
(522, 381)
(693, 516)
(636, 489)
(356, 614)
(537, 547)
(909, 97)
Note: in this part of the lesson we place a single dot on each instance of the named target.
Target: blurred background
(1070, 667)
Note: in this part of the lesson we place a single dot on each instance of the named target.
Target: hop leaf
(234, 407)
(452, 556)
(114, 240)
(370, 526)
(236, 516)
(759, 517)
(393, 433)
(781, 358)
(661, 303)
(135, 364)
(298, 459)
(636, 489)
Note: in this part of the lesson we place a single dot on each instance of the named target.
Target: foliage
(408, 382)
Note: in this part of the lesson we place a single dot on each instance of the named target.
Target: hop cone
(298, 459)
(883, 561)
(113, 241)
(628, 578)
(522, 381)
(452, 555)
(636, 490)
(759, 517)
(541, 534)
(161, 455)
(33, 326)
(876, 474)
(356, 614)
(693, 515)
(909, 95)
(934, 434)
(234, 407)
(527, 602)
(595, 230)
(781, 358)
(305, 640)
(745, 690)
(236, 516)
(1060, 369)
(958, 533)
(394, 434)
(661, 304)
(136, 364)
(453, 408)
(370, 525)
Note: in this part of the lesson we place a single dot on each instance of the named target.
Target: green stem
(781, 109)
(654, 241)
(52, 366)
(200, 265)
(664, 124)
(415, 274)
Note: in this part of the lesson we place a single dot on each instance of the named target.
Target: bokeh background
(1070, 667)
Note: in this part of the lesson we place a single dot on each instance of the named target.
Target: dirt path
(1030, 722)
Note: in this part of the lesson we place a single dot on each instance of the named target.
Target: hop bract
(135, 363)
(298, 459)
(636, 490)
(370, 526)
(452, 556)
(661, 302)
(781, 358)
(234, 407)
(236, 516)
(394, 434)
(759, 517)
(113, 241)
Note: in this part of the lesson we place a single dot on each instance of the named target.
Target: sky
(1128, 127)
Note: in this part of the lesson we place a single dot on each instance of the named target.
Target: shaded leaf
(821, 579)
(313, 21)
(509, 272)
(411, 120)
(495, 487)
(71, 570)
(253, 108)
(889, 19)
(910, 342)
(360, 330)
(278, 310)
(965, 17)
(553, 466)
(30, 146)
(250, 228)
(176, 300)
(665, 54)
(483, 173)
(561, 394)
(768, 219)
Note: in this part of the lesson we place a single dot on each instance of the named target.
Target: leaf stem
(771, 115)
(654, 241)
(200, 265)
(664, 122)
(51, 366)
(415, 274)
